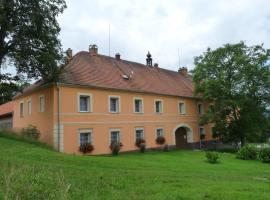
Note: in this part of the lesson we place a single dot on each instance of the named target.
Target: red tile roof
(107, 72)
(6, 108)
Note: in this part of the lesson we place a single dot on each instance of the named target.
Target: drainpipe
(58, 116)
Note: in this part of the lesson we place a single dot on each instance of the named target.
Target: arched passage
(183, 136)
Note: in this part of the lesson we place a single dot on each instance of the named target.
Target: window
(160, 132)
(41, 103)
(158, 106)
(202, 131)
(200, 108)
(139, 133)
(182, 108)
(85, 136)
(21, 109)
(84, 103)
(211, 108)
(115, 136)
(138, 105)
(114, 104)
(29, 107)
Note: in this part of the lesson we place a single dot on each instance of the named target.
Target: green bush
(31, 132)
(115, 147)
(212, 157)
(142, 147)
(248, 152)
(264, 155)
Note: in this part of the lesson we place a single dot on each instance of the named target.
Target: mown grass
(28, 171)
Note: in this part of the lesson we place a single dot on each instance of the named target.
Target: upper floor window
(84, 103)
(29, 107)
(139, 133)
(182, 108)
(158, 106)
(159, 132)
(41, 103)
(114, 103)
(21, 109)
(85, 136)
(138, 105)
(200, 108)
(114, 136)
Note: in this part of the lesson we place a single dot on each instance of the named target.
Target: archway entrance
(181, 139)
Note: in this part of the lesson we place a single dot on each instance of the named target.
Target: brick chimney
(93, 50)
(117, 56)
(183, 71)
(69, 53)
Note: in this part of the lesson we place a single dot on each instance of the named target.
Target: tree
(235, 78)
(28, 37)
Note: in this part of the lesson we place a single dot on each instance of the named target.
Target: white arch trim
(189, 132)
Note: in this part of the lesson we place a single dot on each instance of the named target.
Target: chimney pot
(156, 65)
(117, 56)
(149, 59)
(183, 71)
(69, 53)
(93, 49)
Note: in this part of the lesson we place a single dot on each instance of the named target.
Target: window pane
(85, 138)
(139, 134)
(84, 103)
(115, 136)
(41, 104)
(114, 105)
(21, 109)
(138, 105)
(158, 106)
(159, 132)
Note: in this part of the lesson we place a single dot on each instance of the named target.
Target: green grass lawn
(28, 171)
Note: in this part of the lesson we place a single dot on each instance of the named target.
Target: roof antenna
(109, 40)
(179, 58)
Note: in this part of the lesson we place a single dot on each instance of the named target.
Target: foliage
(31, 132)
(235, 78)
(160, 140)
(139, 141)
(38, 173)
(248, 152)
(212, 157)
(142, 147)
(28, 37)
(115, 147)
(264, 155)
(86, 148)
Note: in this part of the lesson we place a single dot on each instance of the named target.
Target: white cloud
(163, 26)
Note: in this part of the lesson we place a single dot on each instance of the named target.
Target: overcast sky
(163, 27)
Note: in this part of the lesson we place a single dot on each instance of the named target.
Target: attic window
(124, 76)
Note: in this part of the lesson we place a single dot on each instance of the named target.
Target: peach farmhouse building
(100, 99)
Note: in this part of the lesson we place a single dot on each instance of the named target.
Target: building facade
(100, 99)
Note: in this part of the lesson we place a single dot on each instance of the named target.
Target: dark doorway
(181, 138)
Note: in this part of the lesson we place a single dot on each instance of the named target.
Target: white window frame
(202, 108)
(160, 128)
(203, 132)
(161, 110)
(179, 109)
(119, 103)
(138, 129)
(29, 108)
(113, 130)
(134, 105)
(21, 110)
(90, 102)
(41, 108)
(85, 130)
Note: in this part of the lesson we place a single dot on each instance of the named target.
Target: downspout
(58, 116)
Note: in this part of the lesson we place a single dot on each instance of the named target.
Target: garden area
(31, 170)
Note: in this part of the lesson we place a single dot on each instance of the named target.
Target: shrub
(31, 132)
(139, 141)
(212, 157)
(264, 155)
(166, 147)
(86, 148)
(142, 147)
(248, 152)
(115, 147)
(160, 140)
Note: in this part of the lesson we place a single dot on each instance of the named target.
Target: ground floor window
(86, 136)
(160, 132)
(115, 136)
(139, 133)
